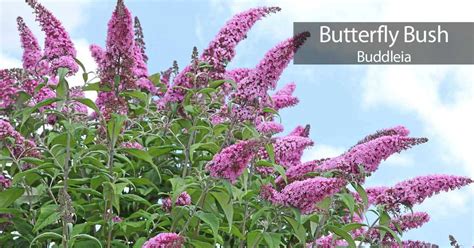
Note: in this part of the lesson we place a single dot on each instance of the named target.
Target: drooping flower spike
(416, 190)
(284, 98)
(58, 48)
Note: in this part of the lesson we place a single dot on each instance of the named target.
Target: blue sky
(342, 103)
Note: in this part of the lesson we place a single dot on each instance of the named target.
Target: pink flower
(404, 223)
(165, 240)
(116, 219)
(288, 150)
(268, 71)
(300, 171)
(232, 160)
(416, 190)
(132, 144)
(109, 104)
(284, 98)
(98, 54)
(76, 107)
(32, 55)
(141, 71)
(220, 51)
(397, 130)
(238, 74)
(327, 242)
(184, 199)
(59, 49)
(304, 194)
(269, 127)
(412, 244)
(5, 182)
(370, 154)
(8, 90)
(19, 147)
(300, 131)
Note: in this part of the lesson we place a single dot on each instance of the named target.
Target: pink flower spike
(165, 240)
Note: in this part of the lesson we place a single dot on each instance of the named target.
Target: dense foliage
(182, 158)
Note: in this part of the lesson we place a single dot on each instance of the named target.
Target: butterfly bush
(190, 157)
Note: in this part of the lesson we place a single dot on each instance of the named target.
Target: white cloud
(399, 160)
(441, 206)
(320, 151)
(71, 13)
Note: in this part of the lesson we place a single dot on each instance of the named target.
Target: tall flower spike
(238, 74)
(416, 190)
(119, 55)
(304, 194)
(32, 55)
(58, 48)
(140, 38)
(402, 223)
(268, 71)
(221, 49)
(141, 70)
(232, 160)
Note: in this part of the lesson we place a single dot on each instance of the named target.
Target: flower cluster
(165, 240)
(5, 182)
(232, 160)
(304, 194)
(132, 144)
(8, 90)
(288, 150)
(184, 199)
(32, 55)
(18, 146)
(269, 127)
(284, 97)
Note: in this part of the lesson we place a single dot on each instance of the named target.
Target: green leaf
(224, 201)
(88, 102)
(7, 197)
(271, 152)
(349, 201)
(114, 127)
(88, 237)
(281, 170)
(62, 89)
(211, 220)
(48, 215)
(299, 230)
(46, 235)
(394, 235)
(343, 234)
(136, 198)
(362, 194)
(253, 238)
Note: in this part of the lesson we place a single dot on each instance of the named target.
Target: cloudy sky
(342, 103)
